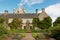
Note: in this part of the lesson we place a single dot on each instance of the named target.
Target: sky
(52, 7)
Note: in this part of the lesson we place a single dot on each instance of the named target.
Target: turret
(19, 9)
(14, 11)
(24, 11)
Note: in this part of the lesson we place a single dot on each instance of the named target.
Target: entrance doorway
(24, 27)
(31, 27)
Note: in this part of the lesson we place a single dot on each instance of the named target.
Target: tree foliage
(2, 30)
(2, 20)
(55, 32)
(45, 23)
(35, 22)
(15, 23)
(42, 24)
(57, 21)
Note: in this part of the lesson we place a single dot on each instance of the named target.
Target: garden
(46, 30)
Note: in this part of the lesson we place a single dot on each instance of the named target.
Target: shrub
(55, 32)
(3, 32)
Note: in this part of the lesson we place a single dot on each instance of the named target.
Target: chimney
(36, 11)
(6, 12)
(43, 10)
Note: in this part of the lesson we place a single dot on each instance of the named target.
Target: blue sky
(11, 4)
(52, 6)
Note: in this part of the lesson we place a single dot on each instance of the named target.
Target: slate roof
(18, 15)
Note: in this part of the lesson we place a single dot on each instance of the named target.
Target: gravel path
(28, 37)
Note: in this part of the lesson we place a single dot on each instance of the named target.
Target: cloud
(1, 12)
(53, 11)
(30, 2)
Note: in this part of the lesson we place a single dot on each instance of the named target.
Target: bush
(3, 32)
(55, 32)
(34, 34)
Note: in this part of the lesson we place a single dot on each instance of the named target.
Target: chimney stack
(36, 11)
(43, 10)
(6, 12)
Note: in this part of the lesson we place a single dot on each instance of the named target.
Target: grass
(17, 31)
(36, 31)
(23, 34)
(34, 34)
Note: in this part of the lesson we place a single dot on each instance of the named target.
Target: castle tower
(24, 11)
(14, 11)
(19, 10)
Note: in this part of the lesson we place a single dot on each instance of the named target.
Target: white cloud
(30, 2)
(53, 11)
(1, 12)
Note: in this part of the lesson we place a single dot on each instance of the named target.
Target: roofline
(19, 13)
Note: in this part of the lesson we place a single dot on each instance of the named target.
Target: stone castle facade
(21, 14)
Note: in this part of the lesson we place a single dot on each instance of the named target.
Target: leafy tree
(15, 23)
(2, 30)
(35, 22)
(42, 24)
(2, 20)
(57, 21)
(55, 32)
(45, 23)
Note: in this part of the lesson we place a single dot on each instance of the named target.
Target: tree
(42, 24)
(35, 22)
(57, 21)
(45, 23)
(15, 23)
(55, 32)
(2, 20)
(3, 31)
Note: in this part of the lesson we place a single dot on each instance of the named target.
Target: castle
(21, 14)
